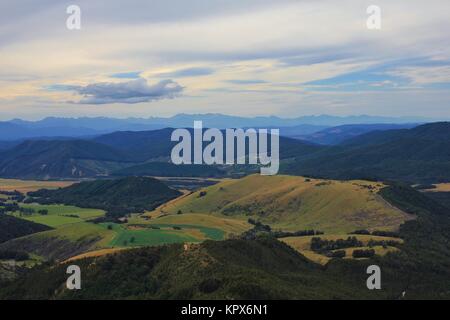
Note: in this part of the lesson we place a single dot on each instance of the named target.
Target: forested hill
(117, 196)
(12, 227)
(421, 154)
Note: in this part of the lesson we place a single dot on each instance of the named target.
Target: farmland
(303, 245)
(59, 215)
(219, 212)
(135, 236)
(25, 186)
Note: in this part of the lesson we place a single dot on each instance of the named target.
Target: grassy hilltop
(295, 203)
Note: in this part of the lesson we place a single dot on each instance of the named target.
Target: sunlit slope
(294, 203)
(303, 245)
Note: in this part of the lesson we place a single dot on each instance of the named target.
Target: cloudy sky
(245, 57)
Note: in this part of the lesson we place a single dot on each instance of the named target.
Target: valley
(316, 228)
(224, 152)
(215, 212)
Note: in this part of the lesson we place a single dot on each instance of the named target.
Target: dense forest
(117, 196)
(12, 227)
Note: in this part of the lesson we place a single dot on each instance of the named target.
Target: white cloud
(274, 46)
(423, 74)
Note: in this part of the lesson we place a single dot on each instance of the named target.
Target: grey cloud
(134, 91)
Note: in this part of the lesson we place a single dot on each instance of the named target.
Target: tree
(336, 254)
(361, 253)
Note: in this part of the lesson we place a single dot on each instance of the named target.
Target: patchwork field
(73, 235)
(25, 186)
(296, 203)
(63, 242)
(303, 245)
(218, 212)
(132, 236)
(59, 215)
(228, 225)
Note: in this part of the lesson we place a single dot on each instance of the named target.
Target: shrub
(361, 253)
(336, 254)
(362, 231)
(209, 285)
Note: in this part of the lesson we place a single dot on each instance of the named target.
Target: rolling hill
(296, 203)
(156, 144)
(46, 159)
(263, 268)
(417, 155)
(141, 145)
(117, 196)
(12, 227)
(102, 155)
(421, 154)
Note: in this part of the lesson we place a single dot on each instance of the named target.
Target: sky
(242, 57)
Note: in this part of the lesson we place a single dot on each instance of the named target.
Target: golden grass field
(95, 253)
(25, 186)
(440, 187)
(295, 203)
(302, 245)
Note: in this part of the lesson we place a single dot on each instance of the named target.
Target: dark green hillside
(11, 227)
(410, 200)
(145, 145)
(117, 196)
(53, 159)
(232, 269)
(438, 131)
(343, 133)
(441, 197)
(45, 159)
(421, 154)
(426, 252)
(141, 145)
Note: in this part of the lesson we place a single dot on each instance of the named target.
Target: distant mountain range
(407, 152)
(78, 127)
(338, 134)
